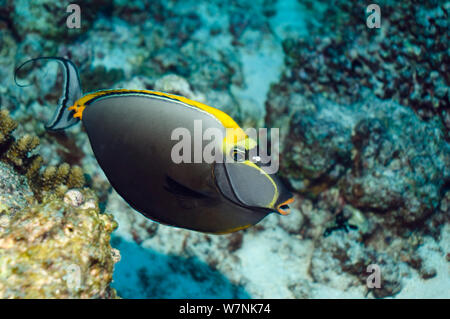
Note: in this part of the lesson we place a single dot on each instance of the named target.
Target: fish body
(131, 132)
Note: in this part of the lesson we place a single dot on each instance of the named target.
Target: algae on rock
(54, 241)
(55, 250)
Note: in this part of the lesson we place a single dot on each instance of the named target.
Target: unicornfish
(130, 135)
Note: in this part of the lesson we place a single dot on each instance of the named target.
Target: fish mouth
(284, 208)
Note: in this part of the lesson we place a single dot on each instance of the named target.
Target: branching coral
(7, 125)
(18, 153)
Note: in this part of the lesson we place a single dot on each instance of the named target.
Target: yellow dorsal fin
(224, 118)
(235, 133)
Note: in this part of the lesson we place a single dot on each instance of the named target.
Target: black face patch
(244, 185)
(250, 186)
(223, 183)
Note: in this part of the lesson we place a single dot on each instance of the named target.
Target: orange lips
(285, 211)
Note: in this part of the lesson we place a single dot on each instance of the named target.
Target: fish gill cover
(364, 119)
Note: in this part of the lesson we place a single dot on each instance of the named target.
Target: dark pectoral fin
(176, 188)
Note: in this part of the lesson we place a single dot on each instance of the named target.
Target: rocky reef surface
(364, 117)
(54, 242)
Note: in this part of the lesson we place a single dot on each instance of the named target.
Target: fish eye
(238, 154)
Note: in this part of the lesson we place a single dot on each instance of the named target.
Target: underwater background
(364, 115)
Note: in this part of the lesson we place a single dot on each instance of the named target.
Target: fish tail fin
(63, 117)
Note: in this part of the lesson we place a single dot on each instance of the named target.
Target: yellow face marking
(236, 137)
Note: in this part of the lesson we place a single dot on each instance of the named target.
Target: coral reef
(382, 157)
(24, 17)
(406, 60)
(17, 153)
(56, 250)
(14, 189)
(54, 243)
(356, 143)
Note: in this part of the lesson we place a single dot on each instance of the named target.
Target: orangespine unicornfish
(130, 132)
